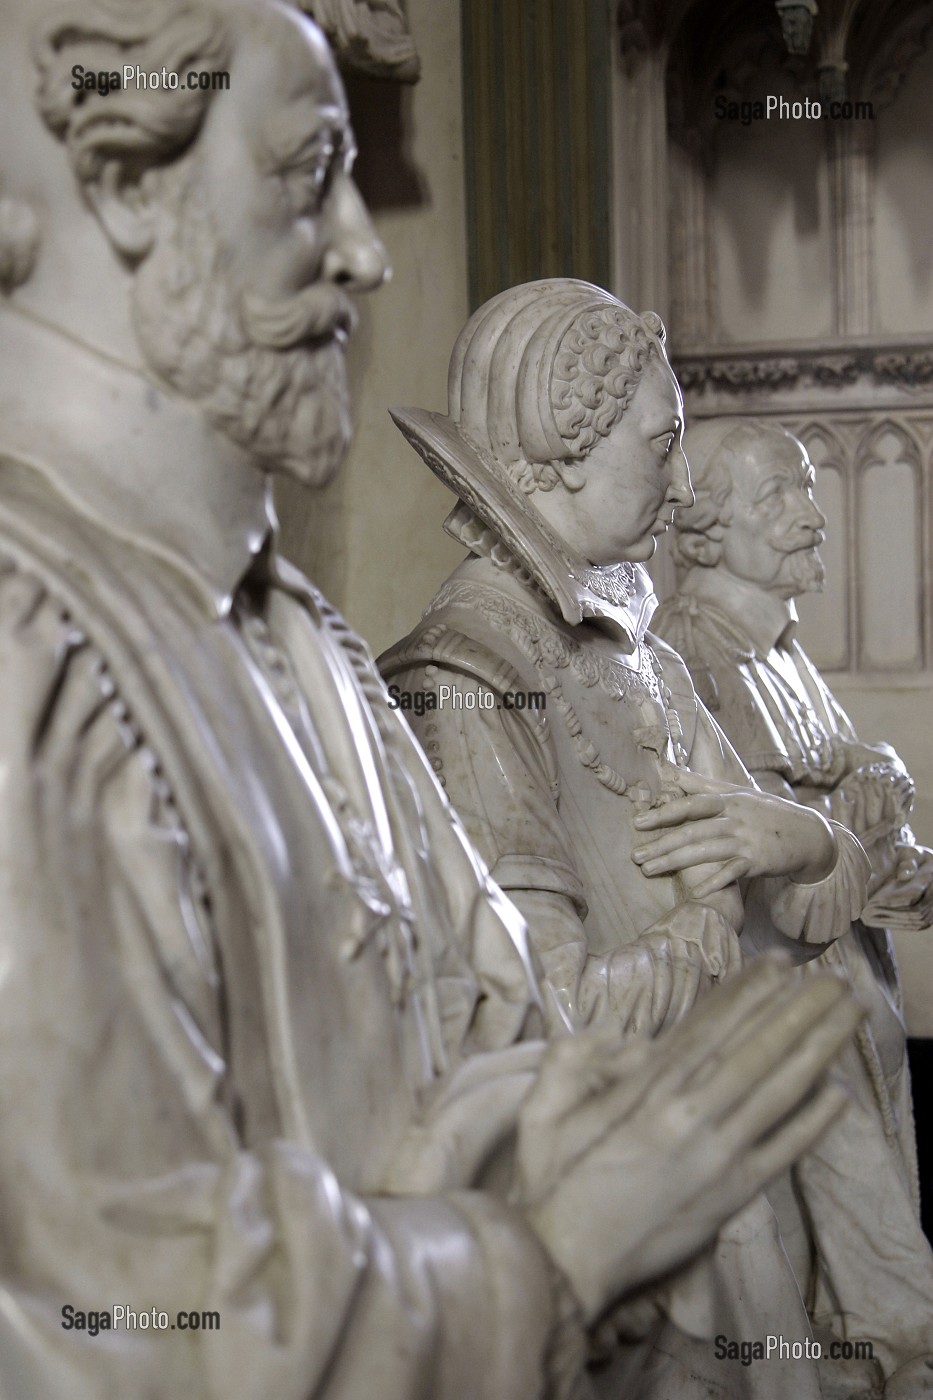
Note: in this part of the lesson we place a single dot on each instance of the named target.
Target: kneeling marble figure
(746, 550)
(267, 1024)
(602, 795)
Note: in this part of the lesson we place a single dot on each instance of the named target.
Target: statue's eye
(309, 182)
(771, 496)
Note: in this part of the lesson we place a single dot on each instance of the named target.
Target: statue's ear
(571, 474)
(698, 549)
(125, 208)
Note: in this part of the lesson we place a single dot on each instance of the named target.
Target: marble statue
(370, 36)
(267, 1024)
(596, 786)
(745, 550)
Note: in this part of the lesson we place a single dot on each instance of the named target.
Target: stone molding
(869, 374)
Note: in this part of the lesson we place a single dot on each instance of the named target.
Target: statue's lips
(313, 317)
(796, 544)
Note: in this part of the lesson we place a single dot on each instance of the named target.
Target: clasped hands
(658, 978)
(739, 830)
(873, 799)
(626, 1156)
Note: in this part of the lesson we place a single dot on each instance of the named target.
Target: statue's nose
(354, 258)
(680, 488)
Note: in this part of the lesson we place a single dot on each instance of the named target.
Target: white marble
(267, 1024)
(372, 36)
(616, 814)
(746, 550)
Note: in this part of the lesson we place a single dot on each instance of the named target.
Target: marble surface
(272, 1036)
(747, 549)
(594, 783)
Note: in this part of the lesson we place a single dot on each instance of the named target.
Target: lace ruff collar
(493, 517)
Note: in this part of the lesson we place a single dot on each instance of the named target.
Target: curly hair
(699, 529)
(597, 367)
(713, 449)
(132, 126)
(599, 363)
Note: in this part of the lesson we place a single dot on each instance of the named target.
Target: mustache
(798, 540)
(319, 313)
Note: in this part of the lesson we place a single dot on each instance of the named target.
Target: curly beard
(270, 375)
(804, 571)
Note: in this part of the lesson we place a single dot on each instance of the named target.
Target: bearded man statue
(270, 1126)
(746, 550)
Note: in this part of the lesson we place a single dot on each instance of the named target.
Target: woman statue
(602, 794)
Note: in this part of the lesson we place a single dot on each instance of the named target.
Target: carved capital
(635, 31)
(797, 18)
(887, 57)
(910, 370)
(368, 36)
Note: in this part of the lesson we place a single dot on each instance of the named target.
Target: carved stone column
(851, 146)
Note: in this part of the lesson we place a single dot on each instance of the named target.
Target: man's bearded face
(775, 526)
(270, 375)
(802, 570)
